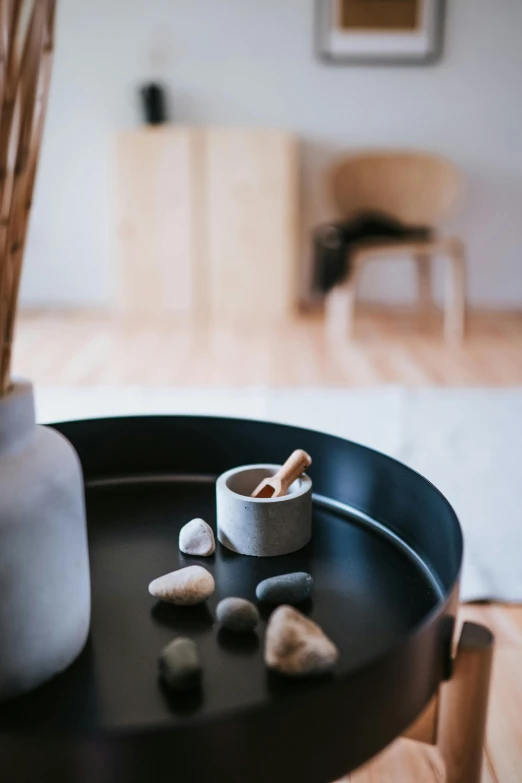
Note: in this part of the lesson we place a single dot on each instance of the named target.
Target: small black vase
(153, 102)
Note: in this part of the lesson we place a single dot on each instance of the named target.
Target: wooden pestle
(277, 485)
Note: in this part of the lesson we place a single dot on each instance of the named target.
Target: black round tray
(385, 556)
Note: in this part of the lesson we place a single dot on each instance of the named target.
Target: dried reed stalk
(26, 46)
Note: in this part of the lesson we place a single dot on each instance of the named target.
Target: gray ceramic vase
(262, 527)
(44, 564)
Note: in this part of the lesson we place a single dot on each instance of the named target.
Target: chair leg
(340, 306)
(463, 706)
(424, 287)
(455, 297)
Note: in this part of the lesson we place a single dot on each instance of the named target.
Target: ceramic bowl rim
(222, 483)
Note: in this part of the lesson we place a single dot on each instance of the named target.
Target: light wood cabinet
(155, 234)
(207, 223)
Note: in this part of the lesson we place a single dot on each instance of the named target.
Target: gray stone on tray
(185, 587)
(179, 664)
(296, 646)
(237, 614)
(197, 538)
(285, 589)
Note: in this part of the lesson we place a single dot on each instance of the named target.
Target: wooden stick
(26, 43)
(464, 704)
(276, 486)
(28, 158)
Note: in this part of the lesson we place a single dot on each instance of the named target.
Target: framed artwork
(379, 32)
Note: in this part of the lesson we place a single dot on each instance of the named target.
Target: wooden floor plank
(405, 761)
(82, 349)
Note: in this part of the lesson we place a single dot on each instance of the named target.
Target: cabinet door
(155, 185)
(251, 211)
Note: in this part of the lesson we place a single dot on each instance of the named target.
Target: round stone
(237, 614)
(197, 538)
(185, 587)
(285, 589)
(296, 646)
(179, 664)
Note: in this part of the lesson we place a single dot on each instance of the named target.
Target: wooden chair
(419, 190)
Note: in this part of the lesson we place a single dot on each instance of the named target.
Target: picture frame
(379, 32)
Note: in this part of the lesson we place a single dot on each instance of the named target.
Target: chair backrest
(416, 188)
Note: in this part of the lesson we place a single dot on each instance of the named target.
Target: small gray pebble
(237, 614)
(285, 589)
(179, 664)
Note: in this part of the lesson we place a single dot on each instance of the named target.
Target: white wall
(248, 62)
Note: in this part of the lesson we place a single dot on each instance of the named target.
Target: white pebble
(197, 538)
(185, 587)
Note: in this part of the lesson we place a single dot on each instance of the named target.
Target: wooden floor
(91, 349)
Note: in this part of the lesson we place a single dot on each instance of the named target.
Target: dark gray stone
(179, 664)
(237, 614)
(285, 589)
